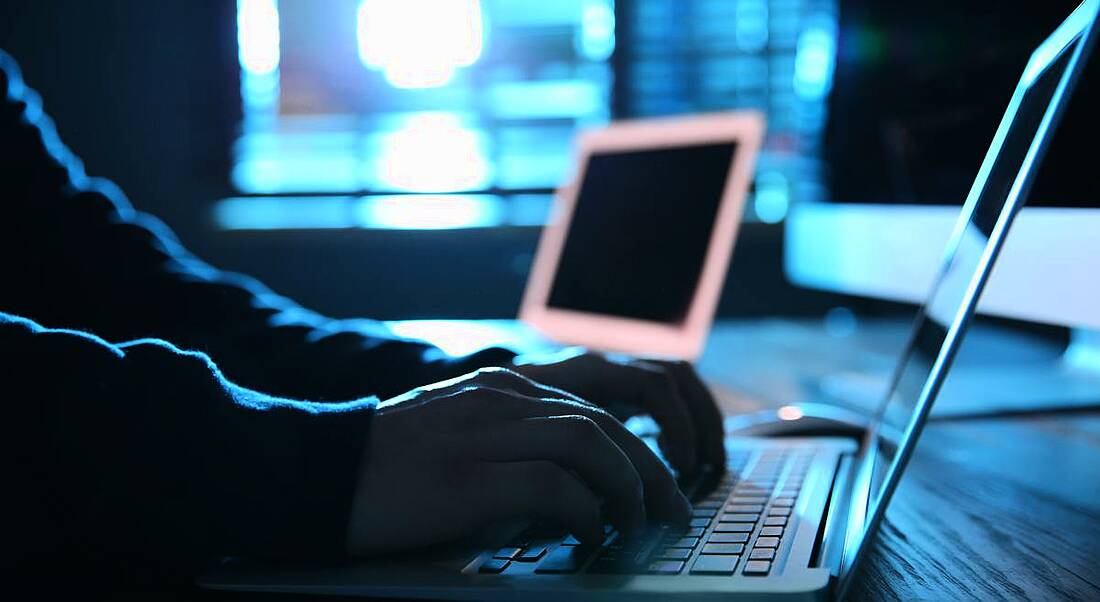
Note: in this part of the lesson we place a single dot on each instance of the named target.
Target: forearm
(152, 462)
(74, 253)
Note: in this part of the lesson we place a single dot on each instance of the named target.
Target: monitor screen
(910, 76)
(640, 230)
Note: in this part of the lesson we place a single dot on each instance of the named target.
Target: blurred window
(352, 105)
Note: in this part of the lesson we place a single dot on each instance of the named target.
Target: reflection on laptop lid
(997, 194)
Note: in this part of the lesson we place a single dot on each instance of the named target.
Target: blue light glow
(419, 43)
(278, 213)
(259, 92)
(383, 212)
(772, 197)
(433, 152)
(751, 25)
(546, 99)
(814, 60)
(258, 35)
(595, 39)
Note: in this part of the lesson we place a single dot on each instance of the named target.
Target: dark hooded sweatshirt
(160, 413)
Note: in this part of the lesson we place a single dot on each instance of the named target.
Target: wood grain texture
(994, 510)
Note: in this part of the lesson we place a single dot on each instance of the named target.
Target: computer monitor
(918, 91)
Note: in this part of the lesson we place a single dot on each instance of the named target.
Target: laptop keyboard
(738, 526)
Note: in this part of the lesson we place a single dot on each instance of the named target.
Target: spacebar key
(565, 559)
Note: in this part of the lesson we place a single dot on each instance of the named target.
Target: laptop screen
(640, 231)
(999, 191)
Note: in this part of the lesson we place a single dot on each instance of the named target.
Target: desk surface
(994, 509)
(991, 508)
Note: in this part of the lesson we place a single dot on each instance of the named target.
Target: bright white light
(457, 337)
(429, 212)
(419, 43)
(813, 62)
(789, 413)
(258, 35)
(433, 152)
(596, 37)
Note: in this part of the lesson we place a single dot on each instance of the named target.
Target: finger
(663, 499)
(541, 491)
(575, 443)
(655, 391)
(706, 416)
(502, 378)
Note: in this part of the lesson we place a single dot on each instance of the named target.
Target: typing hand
(669, 391)
(447, 460)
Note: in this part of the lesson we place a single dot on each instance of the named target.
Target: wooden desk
(994, 509)
(1005, 508)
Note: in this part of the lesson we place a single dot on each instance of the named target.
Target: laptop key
(783, 501)
(728, 538)
(564, 559)
(493, 566)
(757, 567)
(775, 521)
(762, 554)
(752, 499)
(733, 528)
(685, 542)
(665, 567)
(531, 553)
(780, 511)
(714, 565)
(673, 554)
(739, 518)
(507, 553)
(694, 532)
(750, 508)
(704, 512)
(727, 549)
(772, 531)
(767, 542)
(700, 522)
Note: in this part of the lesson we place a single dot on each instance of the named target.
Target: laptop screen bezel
(863, 519)
(606, 332)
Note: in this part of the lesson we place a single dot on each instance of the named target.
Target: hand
(445, 461)
(669, 391)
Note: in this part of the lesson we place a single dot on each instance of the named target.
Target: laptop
(787, 518)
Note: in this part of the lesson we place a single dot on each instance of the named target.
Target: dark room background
(149, 94)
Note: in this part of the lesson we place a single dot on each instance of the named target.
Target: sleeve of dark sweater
(75, 254)
(138, 462)
(150, 456)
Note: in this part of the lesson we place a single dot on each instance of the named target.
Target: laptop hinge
(829, 546)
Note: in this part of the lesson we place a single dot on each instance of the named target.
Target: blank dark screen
(640, 231)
